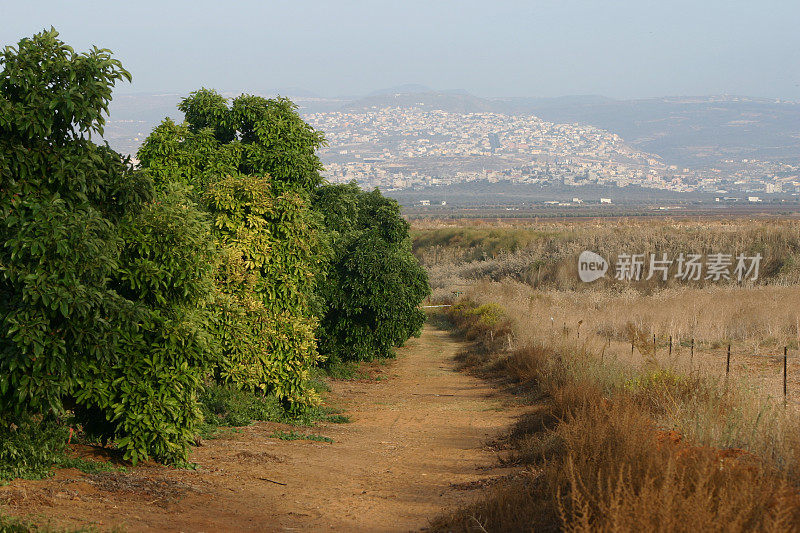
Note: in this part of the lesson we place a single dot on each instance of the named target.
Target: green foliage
(102, 285)
(661, 380)
(252, 164)
(150, 396)
(88, 466)
(14, 525)
(264, 325)
(254, 136)
(339, 369)
(294, 435)
(374, 284)
(60, 197)
(31, 448)
(225, 405)
(209, 109)
(228, 405)
(474, 243)
(174, 153)
(123, 290)
(488, 315)
(59, 93)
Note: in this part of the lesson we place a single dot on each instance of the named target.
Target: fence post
(691, 353)
(654, 344)
(728, 362)
(631, 345)
(670, 345)
(785, 349)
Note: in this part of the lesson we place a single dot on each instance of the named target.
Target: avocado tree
(252, 164)
(147, 398)
(251, 136)
(102, 280)
(374, 284)
(61, 197)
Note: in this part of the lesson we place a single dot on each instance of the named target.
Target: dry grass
(615, 476)
(545, 255)
(619, 447)
(608, 321)
(635, 424)
(757, 322)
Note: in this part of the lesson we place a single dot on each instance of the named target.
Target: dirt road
(419, 429)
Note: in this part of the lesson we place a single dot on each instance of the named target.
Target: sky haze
(616, 48)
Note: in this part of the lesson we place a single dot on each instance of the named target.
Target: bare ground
(420, 442)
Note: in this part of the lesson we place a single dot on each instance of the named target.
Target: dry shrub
(601, 462)
(527, 363)
(617, 477)
(604, 469)
(522, 504)
(642, 441)
(473, 359)
(663, 391)
(544, 254)
(535, 435)
(736, 418)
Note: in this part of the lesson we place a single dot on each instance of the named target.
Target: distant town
(410, 147)
(560, 151)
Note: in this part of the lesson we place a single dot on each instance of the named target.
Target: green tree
(265, 324)
(374, 283)
(252, 166)
(102, 281)
(253, 136)
(61, 198)
(147, 399)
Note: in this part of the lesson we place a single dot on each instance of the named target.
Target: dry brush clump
(544, 255)
(759, 421)
(616, 475)
(692, 327)
(605, 448)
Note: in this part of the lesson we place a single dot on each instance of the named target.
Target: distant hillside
(691, 132)
(405, 88)
(686, 131)
(451, 102)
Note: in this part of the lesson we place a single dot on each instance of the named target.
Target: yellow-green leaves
(266, 284)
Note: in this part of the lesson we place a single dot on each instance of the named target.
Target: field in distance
(532, 268)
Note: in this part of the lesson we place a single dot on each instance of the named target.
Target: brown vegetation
(601, 451)
(545, 255)
(635, 423)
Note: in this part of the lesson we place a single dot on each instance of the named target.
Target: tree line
(222, 257)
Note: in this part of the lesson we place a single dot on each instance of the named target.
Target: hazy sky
(618, 48)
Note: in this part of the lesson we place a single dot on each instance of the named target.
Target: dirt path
(413, 434)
